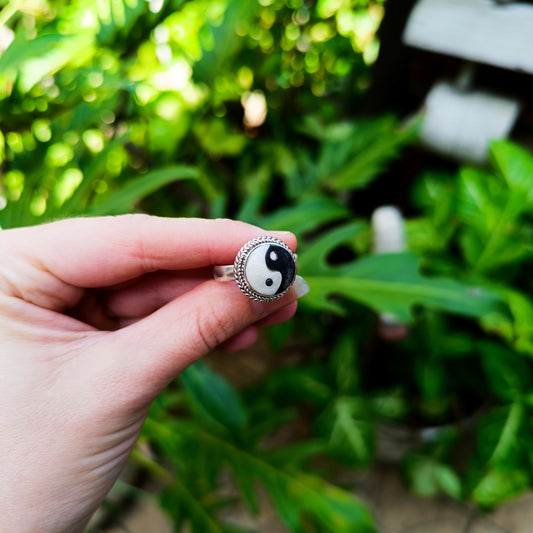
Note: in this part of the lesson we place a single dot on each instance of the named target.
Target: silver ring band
(264, 269)
(224, 273)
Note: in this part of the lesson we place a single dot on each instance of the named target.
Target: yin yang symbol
(270, 269)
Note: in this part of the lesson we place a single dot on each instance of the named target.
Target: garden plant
(255, 110)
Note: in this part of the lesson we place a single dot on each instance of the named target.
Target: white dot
(273, 256)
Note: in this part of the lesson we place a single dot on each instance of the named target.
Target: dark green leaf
(508, 373)
(215, 397)
(351, 432)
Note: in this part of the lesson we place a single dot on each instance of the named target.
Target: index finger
(104, 251)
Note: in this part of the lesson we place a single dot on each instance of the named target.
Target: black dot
(269, 282)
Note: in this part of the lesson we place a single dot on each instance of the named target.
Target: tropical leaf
(389, 283)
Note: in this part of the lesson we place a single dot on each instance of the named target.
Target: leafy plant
(223, 434)
(138, 106)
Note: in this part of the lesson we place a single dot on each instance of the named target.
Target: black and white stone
(265, 269)
(270, 269)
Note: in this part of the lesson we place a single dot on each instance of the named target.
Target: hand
(97, 316)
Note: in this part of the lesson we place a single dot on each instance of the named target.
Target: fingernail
(300, 287)
(282, 235)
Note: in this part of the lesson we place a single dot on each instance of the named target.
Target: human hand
(97, 316)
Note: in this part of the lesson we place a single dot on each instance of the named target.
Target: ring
(264, 269)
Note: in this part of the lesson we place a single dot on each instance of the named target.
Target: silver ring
(264, 269)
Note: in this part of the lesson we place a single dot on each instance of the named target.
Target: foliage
(226, 434)
(147, 105)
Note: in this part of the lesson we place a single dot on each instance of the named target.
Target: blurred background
(393, 137)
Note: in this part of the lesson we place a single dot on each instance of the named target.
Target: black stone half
(284, 264)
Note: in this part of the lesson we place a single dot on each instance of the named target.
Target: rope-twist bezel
(240, 265)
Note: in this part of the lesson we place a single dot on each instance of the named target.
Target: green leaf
(507, 372)
(304, 384)
(507, 440)
(29, 61)
(225, 42)
(515, 166)
(308, 215)
(313, 257)
(500, 484)
(215, 397)
(496, 468)
(296, 494)
(491, 234)
(429, 478)
(218, 139)
(189, 508)
(389, 283)
(351, 432)
(345, 363)
(518, 331)
(124, 200)
(296, 453)
(82, 197)
(390, 405)
(363, 162)
(117, 17)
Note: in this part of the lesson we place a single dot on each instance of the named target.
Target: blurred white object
(388, 234)
(461, 124)
(388, 230)
(6, 37)
(255, 108)
(478, 30)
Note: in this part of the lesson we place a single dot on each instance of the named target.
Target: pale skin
(97, 317)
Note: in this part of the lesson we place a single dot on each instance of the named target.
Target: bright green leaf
(515, 165)
(429, 478)
(499, 485)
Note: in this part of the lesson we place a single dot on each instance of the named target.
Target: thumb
(152, 352)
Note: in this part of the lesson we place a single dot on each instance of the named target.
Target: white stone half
(257, 273)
